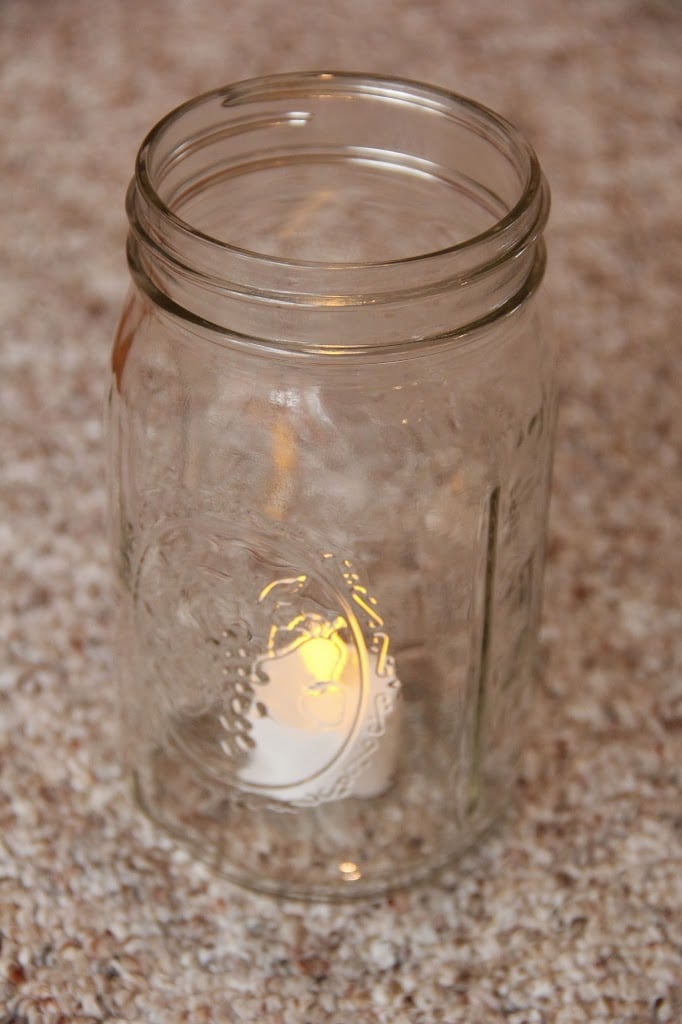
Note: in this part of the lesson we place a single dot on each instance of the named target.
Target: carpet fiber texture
(573, 912)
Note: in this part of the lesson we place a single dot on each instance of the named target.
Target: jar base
(293, 853)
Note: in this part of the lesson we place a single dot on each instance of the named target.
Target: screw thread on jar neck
(337, 214)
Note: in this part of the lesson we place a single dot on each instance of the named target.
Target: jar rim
(427, 296)
(438, 99)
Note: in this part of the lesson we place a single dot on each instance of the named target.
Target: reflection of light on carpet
(349, 871)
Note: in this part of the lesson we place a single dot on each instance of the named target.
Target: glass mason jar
(330, 433)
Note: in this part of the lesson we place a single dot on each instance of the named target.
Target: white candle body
(323, 726)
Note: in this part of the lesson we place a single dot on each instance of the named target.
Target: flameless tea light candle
(320, 724)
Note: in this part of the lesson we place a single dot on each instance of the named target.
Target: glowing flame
(324, 658)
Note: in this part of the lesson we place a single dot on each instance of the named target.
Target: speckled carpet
(573, 911)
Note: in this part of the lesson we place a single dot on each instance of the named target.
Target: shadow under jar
(331, 423)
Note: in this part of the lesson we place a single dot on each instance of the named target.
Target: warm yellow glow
(284, 463)
(350, 871)
(324, 657)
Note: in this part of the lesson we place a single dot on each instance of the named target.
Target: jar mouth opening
(334, 211)
(168, 144)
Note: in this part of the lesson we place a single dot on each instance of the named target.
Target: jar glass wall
(330, 446)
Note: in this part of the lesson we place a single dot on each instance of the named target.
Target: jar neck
(426, 160)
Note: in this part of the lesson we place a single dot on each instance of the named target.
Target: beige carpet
(573, 913)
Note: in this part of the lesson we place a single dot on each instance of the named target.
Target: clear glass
(331, 423)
